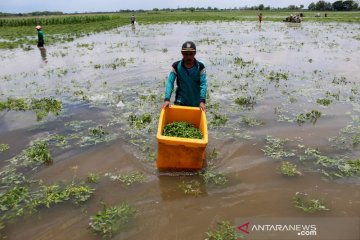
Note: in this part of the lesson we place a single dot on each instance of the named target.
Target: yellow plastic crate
(181, 153)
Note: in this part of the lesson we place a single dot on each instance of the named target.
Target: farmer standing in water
(41, 38)
(132, 19)
(190, 76)
(260, 18)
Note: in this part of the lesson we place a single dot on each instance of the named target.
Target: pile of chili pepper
(182, 129)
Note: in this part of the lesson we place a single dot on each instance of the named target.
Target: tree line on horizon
(348, 5)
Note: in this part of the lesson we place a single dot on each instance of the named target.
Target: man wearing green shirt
(190, 76)
(41, 38)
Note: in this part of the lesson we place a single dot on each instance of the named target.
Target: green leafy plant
(288, 169)
(183, 130)
(16, 104)
(111, 220)
(324, 101)
(13, 198)
(39, 153)
(312, 116)
(224, 231)
(92, 178)
(302, 201)
(43, 106)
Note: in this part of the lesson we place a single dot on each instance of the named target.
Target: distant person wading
(41, 37)
(132, 19)
(260, 18)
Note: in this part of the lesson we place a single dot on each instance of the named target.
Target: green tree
(338, 6)
(350, 5)
(261, 7)
(312, 6)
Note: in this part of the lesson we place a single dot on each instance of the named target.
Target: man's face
(189, 57)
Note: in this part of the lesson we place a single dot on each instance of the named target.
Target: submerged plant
(41, 107)
(190, 187)
(288, 169)
(224, 231)
(182, 130)
(212, 155)
(4, 147)
(98, 131)
(245, 101)
(140, 121)
(251, 121)
(20, 200)
(277, 76)
(212, 177)
(274, 148)
(338, 167)
(302, 201)
(240, 62)
(218, 120)
(129, 178)
(111, 220)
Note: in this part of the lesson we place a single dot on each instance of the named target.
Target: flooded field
(283, 117)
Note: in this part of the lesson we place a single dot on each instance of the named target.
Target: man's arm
(169, 87)
(203, 86)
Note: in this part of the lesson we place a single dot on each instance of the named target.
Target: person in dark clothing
(132, 19)
(41, 37)
(190, 76)
(260, 18)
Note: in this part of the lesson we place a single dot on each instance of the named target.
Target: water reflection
(43, 54)
(133, 28)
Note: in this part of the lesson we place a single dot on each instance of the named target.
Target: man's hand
(166, 104)
(202, 107)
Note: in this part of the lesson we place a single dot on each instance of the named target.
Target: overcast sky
(23, 6)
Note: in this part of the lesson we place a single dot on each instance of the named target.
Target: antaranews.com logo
(303, 228)
(299, 229)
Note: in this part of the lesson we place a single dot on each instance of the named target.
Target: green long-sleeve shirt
(41, 37)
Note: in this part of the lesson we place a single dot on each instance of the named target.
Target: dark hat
(188, 47)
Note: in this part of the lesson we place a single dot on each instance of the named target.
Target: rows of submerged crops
(16, 22)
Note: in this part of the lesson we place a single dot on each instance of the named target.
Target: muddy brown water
(312, 54)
